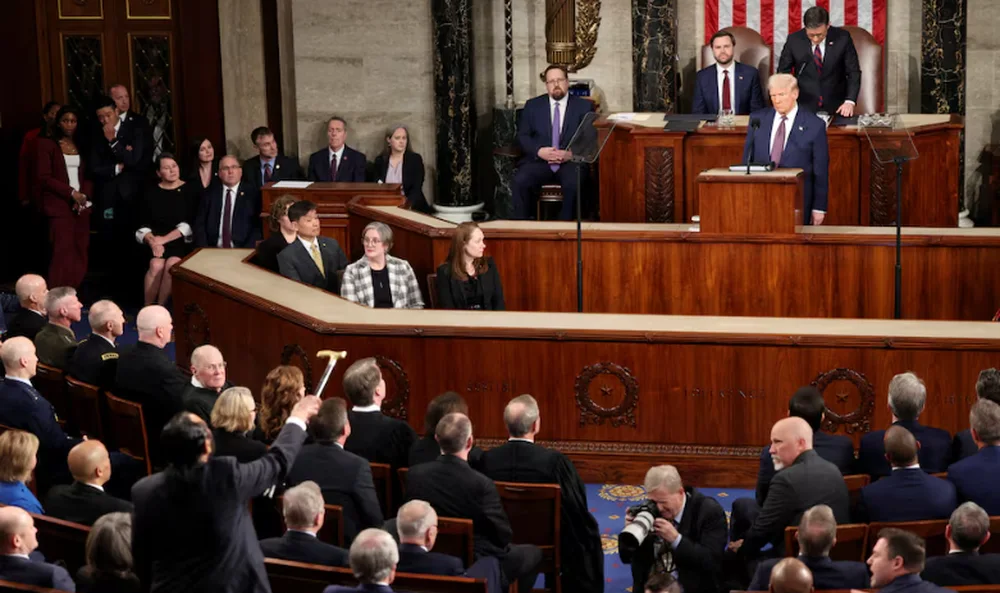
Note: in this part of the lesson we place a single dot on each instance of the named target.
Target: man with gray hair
(374, 557)
(208, 381)
(374, 436)
(688, 535)
(907, 395)
(521, 460)
(31, 290)
(967, 530)
(817, 534)
(95, 360)
(56, 341)
(977, 478)
(304, 512)
(987, 387)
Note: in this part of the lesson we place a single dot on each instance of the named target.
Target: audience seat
(11, 587)
(855, 482)
(870, 60)
(85, 406)
(931, 531)
(550, 194)
(382, 476)
(51, 383)
(534, 512)
(403, 472)
(286, 576)
(128, 425)
(432, 290)
(851, 541)
(750, 50)
(61, 541)
(455, 538)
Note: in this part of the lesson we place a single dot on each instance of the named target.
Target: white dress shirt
(562, 103)
(222, 211)
(371, 408)
(720, 77)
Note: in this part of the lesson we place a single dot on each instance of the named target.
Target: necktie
(727, 103)
(818, 60)
(227, 223)
(317, 258)
(556, 125)
(267, 172)
(778, 146)
(333, 168)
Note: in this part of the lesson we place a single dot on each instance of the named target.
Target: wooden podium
(756, 204)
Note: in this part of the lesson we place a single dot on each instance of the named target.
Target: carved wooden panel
(195, 324)
(882, 189)
(73, 10)
(148, 9)
(596, 412)
(292, 350)
(397, 388)
(659, 163)
(842, 387)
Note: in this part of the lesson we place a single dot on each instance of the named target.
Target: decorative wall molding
(397, 385)
(195, 323)
(595, 413)
(860, 419)
(618, 448)
(659, 164)
(292, 350)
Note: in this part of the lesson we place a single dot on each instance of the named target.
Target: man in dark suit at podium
(337, 162)
(546, 126)
(229, 213)
(825, 61)
(269, 165)
(792, 138)
(727, 84)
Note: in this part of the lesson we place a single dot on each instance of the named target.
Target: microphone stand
(754, 125)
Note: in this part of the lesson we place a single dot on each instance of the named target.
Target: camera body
(638, 530)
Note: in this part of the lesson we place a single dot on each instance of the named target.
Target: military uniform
(95, 361)
(54, 345)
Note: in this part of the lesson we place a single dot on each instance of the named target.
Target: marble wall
(243, 96)
(982, 97)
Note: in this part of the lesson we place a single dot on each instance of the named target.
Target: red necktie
(726, 101)
(333, 168)
(227, 224)
(818, 60)
(267, 172)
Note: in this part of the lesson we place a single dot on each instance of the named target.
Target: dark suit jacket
(268, 250)
(413, 558)
(303, 547)
(906, 495)
(934, 454)
(54, 345)
(147, 376)
(911, 583)
(95, 361)
(191, 530)
(240, 446)
(346, 480)
(456, 490)
(25, 409)
(358, 589)
(841, 79)
(246, 215)
(699, 555)
(963, 568)
(350, 169)
(413, 178)
(977, 478)
(805, 149)
(106, 583)
(55, 194)
(583, 555)
(285, 168)
(82, 504)
(827, 573)
(133, 147)
(201, 400)
(451, 293)
(380, 438)
(40, 574)
(25, 323)
(963, 446)
(296, 262)
(426, 449)
(835, 448)
(534, 128)
(809, 481)
(748, 94)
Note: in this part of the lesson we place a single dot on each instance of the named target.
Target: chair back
(402, 473)
(993, 545)
(855, 482)
(432, 290)
(286, 576)
(455, 539)
(62, 540)
(534, 512)
(382, 476)
(851, 541)
(128, 425)
(332, 531)
(931, 531)
(51, 383)
(750, 50)
(872, 91)
(12, 587)
(85, 406)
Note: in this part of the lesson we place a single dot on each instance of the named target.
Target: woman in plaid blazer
(378, 279)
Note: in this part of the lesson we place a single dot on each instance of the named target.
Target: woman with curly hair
(283, 387)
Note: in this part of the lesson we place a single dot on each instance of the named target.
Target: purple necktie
(818, 60)
(227, 223)
(556, 125)
(779, 142)
(333, 168)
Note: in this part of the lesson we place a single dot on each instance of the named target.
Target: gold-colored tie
(318, 258)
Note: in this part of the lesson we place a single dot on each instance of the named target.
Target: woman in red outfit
(64, 193)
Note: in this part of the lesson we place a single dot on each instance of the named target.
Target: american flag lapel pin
(800, 129)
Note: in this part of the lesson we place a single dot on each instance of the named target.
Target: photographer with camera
(676, 531)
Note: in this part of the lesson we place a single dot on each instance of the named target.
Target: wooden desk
(648, 175)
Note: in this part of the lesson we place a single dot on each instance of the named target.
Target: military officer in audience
(95, 360)
(56, 341)
(31, 291)
(208, 380)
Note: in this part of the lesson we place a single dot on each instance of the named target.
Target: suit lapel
(763, 149)
(714, 84)
(799, 127)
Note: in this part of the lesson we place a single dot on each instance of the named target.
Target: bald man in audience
(31, 291)
(790, 575)
(817, 534)
(208, 380)
(303, 509)
(95, 360)
(967, 531)
(909, 493)
(977, 478)
(18, 539)
(56, 341)
(147, 376)
(896, 563)
(804, 480)
(84, 501)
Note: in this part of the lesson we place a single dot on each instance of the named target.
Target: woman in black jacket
(399, 164)
(468, 280)
(233, 420)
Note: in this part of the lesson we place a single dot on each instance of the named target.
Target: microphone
(754, 125)
(755, 122)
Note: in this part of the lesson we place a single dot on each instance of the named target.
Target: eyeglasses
(215, 367)
(232, 168)
(372, 241)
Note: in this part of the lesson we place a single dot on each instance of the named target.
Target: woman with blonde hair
(378, 279)
(109, 567)
(469, 279)
(283, 387)
(282, 234)
(18, 456)
(233, 417)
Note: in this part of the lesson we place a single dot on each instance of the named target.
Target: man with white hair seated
(95, 360)
(208, 381)
(31, 290)
(304, 512)
(373, 561)
(56, 341)
(18, 539)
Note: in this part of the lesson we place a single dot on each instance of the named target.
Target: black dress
(268, 250)
(162, 210)
(237, 445)
(380, 285)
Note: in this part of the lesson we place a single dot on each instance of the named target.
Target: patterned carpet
(608, 503)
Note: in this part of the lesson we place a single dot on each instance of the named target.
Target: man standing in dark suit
(896, 563)
(96, 358)
(229, 212)
(456, 490)
(311, 258)
(546, 126)
(337, 162)
(792, 138)
(18, 540)
(521, 460)
(726, 84)
(967, 530)
(909, 493)
(344, 478)
(907, 395)
(817, 535)
(988, 387)
(208, 380)
(825, 61)
(84, 501)
(374, 436)
(269, 165)
(688, 537)
(302, 507)
(31, 291)
(56, 342)
(373, 561)
(977, 478)
(191, 529)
